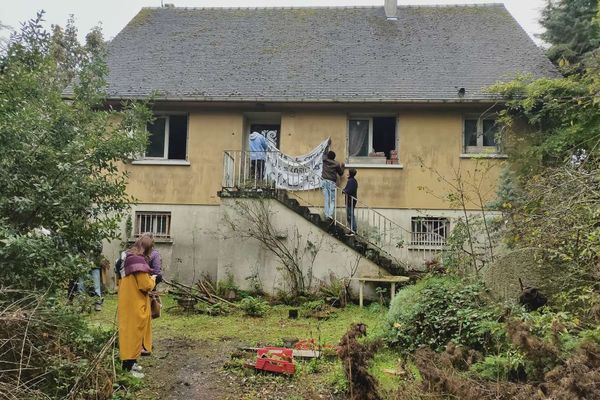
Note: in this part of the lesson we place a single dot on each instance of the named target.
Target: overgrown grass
(269, 330)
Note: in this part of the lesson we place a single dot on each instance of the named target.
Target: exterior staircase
(356, 242)
(379, 239)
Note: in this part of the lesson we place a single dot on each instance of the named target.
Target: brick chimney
(391, 9)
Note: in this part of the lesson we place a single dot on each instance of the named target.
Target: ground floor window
(373, 137)
(157, 223)
(429, 231)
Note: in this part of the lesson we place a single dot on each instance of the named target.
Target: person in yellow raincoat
(135, 329)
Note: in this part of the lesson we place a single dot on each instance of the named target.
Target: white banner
(295, 173)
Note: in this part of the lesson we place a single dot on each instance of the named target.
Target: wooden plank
(307, 353)
(390, 279)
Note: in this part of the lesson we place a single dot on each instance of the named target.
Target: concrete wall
(243, 257)
(429, 141)
(201, 244)
(193, 247)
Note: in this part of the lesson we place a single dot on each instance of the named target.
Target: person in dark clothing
(331, 170)
(351, 192)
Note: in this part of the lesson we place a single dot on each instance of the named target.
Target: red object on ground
(306, 344)
(275, 359)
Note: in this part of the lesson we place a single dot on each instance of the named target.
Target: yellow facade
(429, 143)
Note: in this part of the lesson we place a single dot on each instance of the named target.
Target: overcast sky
(114, 14)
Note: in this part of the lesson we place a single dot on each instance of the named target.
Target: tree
(552, 135)
(571, 28)
(59, 159)
(547, 121)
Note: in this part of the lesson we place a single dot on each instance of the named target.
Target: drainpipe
(391, 10)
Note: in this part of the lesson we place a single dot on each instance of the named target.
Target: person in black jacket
(351, 192)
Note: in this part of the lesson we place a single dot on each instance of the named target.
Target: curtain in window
(358, 138)
(489, 132)
(470, 132)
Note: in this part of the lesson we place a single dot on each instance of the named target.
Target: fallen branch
(94, 364)
(195, 294)
(215, 296)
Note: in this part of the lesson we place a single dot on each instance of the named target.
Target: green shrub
(217, 309)
(337, 379)
(253, 306)
(227, 285)
(334, 292)
(509, 365)
(438, 310)
(314, 305)
(376, 308)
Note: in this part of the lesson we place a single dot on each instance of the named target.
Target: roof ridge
(456, 5)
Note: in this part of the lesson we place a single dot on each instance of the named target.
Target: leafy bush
(506, 366)
(288, 298)
(376, 308)
(253, 306)
(334, 292)
(217, 309)
(337, 379)
(227, 285)
(438, 310)
(314, 305)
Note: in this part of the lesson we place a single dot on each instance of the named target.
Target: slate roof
(323, 54)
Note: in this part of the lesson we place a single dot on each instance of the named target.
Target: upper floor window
(167, 138)
(372, 137)
(480, 134)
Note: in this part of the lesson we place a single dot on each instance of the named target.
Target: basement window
(429, 231)
(157, 223)
(372, 140)
(167, 138)
(480, 135)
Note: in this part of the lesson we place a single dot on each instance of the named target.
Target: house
(400, 90)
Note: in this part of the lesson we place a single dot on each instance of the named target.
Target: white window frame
(480, 148)
(154, 216)
(369, 117)
(165, 155)
(423, 243)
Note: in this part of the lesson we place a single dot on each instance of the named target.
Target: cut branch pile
(203, 292)
(577, 378)
(40, 357)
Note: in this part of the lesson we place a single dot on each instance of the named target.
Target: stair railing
(241, 172)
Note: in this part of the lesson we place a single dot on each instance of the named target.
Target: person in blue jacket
(258, 153)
